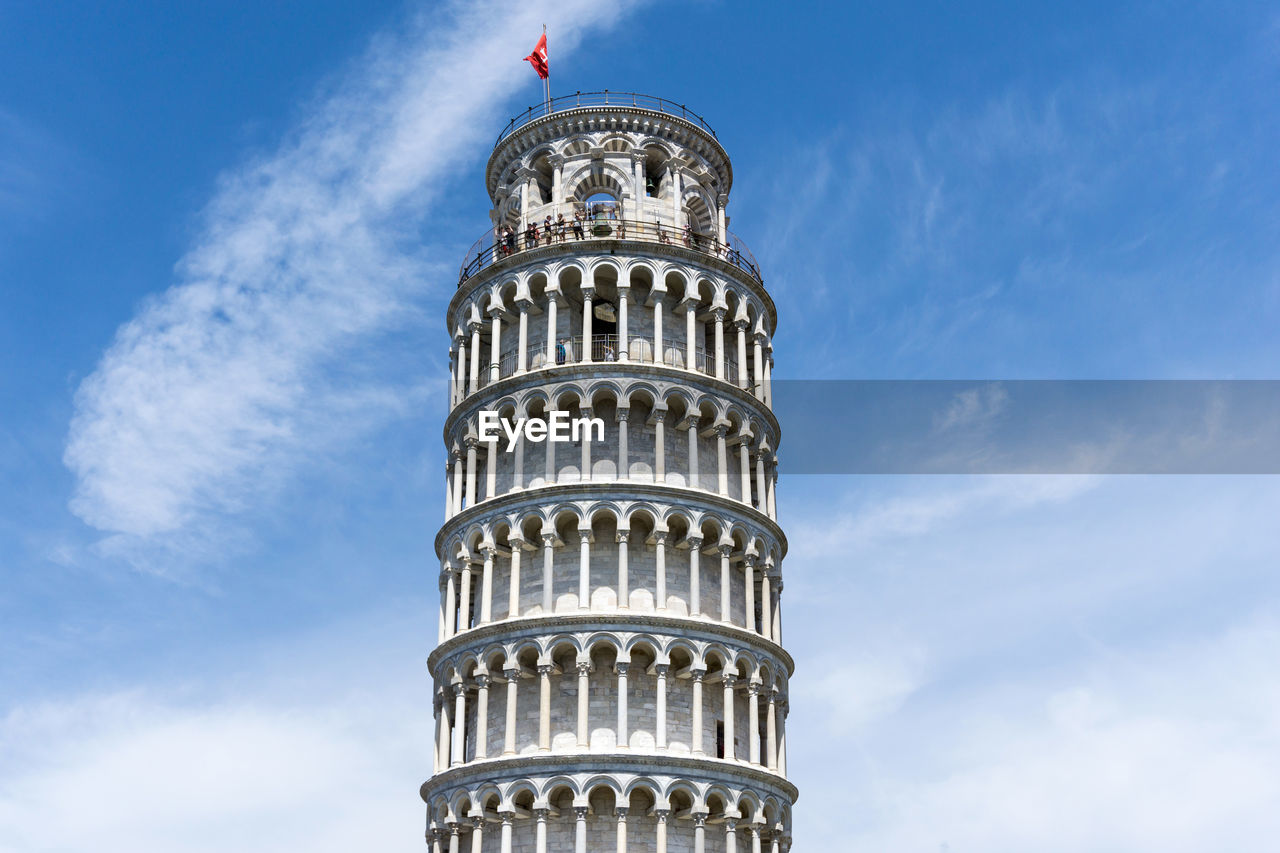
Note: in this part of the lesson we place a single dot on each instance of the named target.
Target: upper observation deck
(590, 119)
(602, 223)
(617, 100)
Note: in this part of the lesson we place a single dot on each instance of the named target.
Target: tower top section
(617, 136)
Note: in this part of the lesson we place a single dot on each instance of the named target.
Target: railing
(602, 99)
(488, 251)
(606, 349)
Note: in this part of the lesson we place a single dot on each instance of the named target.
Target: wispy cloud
(319, 744)
(1045, 663)
(220, 386)
(1084, 223)
(973, 408)
(35, 168)
(923, 511)
(1173, 750)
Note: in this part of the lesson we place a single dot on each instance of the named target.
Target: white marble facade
(610, 672)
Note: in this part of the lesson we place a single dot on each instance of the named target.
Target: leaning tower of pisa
(610, 672)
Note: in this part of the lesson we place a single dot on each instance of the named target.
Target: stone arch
(597, 177)
(578, 144)
(522, 793)
(699, 210)
(617, 143)
(719, 800)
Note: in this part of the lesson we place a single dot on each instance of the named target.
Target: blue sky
(227, 235)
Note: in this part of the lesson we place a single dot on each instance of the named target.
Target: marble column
(660, 567)
(623, 735)
(472, 464)
(726, 584)
(753, 723)
(730, 682)
(517, 543)
(697, 675)
(623, 462)
(660, 711)
(513, 687)
(722, 460)
(695, 552)
(540, 833)
(624, 592)
(588, 294)
(486, 587)
(544, 707)
(622, 829)
(458, 756)
(482, 717)
(584, 705)
(473, 383)
(584, 570)
(548, 558)
(719, 314)
(522, 342)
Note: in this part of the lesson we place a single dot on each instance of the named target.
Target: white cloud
(973, 408)
(220, 386)
(1174, 750)
(318, 742)
(923, 510)
(1038, 663)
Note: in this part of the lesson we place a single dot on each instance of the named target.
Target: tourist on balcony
(508, 241)
(608, 353)
(560, 351)
(578, 222)
(531, 235)
(560, 227)
(662, 234)
(547, 227)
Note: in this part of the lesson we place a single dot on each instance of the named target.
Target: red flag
(539, 58)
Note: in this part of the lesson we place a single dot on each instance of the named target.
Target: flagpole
(546, 83)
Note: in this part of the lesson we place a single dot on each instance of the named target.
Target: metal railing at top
(605, 349)
(488, 250)
(602, 99)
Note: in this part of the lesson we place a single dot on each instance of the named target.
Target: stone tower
(610, 671)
